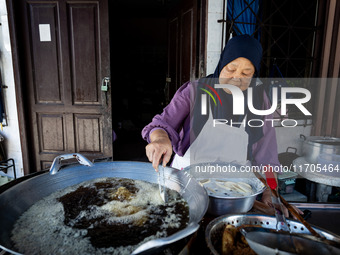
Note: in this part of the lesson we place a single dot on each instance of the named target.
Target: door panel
(45, 54)
(67, 110)
(84, 52)
(182, 43)
(88, 133)
(52, 138)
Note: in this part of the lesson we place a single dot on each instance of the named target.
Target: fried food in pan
(234, 243)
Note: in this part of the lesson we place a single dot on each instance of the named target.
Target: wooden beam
(335, 85)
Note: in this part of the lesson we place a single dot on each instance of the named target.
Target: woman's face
(238, 73)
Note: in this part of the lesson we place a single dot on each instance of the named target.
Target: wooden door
(64, 58)
(183, 40)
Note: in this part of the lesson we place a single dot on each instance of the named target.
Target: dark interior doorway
(138, 36)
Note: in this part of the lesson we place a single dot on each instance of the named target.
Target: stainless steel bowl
(220, 205)
(214, 230)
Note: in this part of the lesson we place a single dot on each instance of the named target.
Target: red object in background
(271, 181)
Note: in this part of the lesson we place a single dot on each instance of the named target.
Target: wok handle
(56, 165)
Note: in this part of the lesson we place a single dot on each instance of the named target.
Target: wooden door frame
(18, 89)
(202, 10)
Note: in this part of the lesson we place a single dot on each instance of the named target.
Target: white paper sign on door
(45, 32)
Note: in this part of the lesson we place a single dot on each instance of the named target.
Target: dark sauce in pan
(104, 233)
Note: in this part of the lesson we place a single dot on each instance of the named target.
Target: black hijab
(239, 46)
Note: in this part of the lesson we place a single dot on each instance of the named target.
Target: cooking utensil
(277, 205)
(215, 229)
(268, 241)
(299, 217)
(281, 219)
(18, 198)
(292, 210)
(161, 184)
(314, 146)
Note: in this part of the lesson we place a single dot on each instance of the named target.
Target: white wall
(10, 132)
(214, 37)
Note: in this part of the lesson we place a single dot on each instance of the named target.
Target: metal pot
(314, 146)
(219, 205)
(17, 199)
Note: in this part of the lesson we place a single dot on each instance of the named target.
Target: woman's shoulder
(188, 89)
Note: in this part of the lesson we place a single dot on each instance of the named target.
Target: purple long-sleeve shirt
(175, 120)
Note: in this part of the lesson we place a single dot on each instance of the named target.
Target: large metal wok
(17, 199)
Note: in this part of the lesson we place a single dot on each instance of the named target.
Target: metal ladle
(161, 184)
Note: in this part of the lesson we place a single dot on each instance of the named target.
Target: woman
(239, 63)
(183, 128)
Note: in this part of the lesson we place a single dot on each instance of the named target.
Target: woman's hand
(159, 147)
(266, 198)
